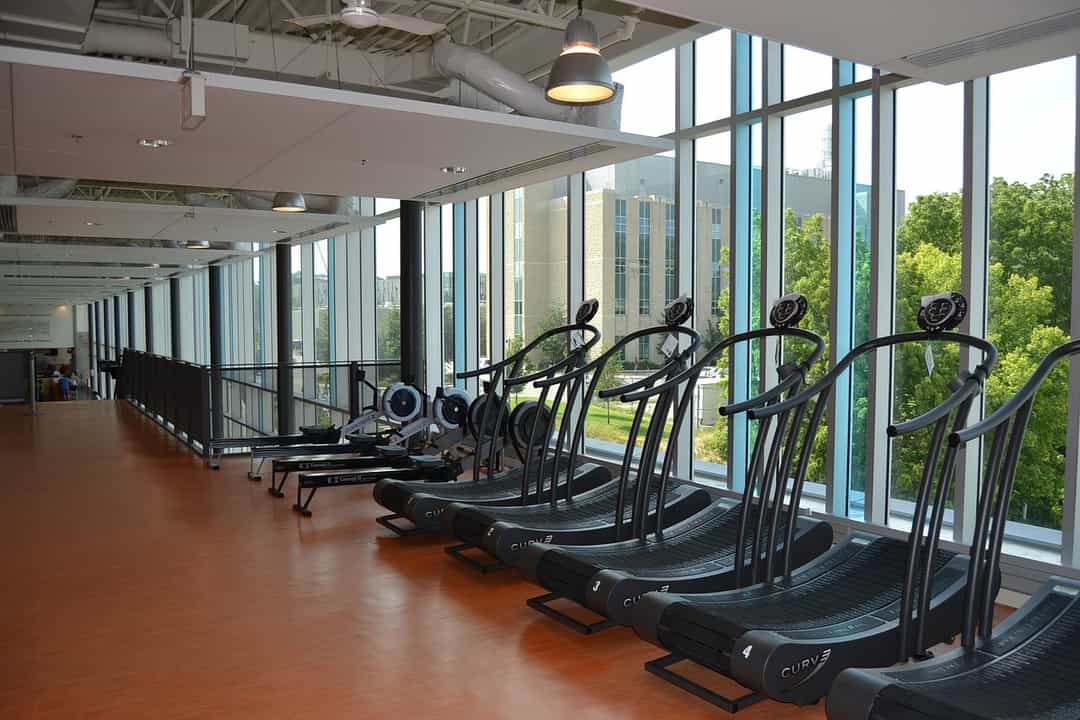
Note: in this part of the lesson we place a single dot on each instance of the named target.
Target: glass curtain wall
(1030, 275)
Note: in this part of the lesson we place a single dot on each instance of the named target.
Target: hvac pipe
(503, 85)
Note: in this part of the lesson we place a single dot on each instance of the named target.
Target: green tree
(388, 332)
(1029, 280)
(554, 348)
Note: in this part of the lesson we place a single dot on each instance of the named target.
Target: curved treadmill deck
(423, 502)
(587, 519)
(695, 555)
(1029, 669)
(788, 642)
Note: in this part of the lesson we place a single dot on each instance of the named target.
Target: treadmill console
(587, 311)
(942, 312)
(678, 311)
(788, 311)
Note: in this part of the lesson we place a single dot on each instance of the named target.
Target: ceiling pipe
(503, 85)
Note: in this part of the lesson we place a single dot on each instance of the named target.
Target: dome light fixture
(289, 202)
(580, 75)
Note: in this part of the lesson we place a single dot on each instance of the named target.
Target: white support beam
(367, 284)
(882, 299)
(1070, 524)
(684, 229)
(471, 309)
(975, 242)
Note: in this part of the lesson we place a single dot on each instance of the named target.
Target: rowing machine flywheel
(476, 416)
(522, 419)
(402, 403)
(451, 408)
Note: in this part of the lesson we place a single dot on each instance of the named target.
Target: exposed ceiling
(893, 34)
(265, 135)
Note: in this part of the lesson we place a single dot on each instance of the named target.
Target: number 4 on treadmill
(746, 651)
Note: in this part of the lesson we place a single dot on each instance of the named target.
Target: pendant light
(289, 202)
(580, 75)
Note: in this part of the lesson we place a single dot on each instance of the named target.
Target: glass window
(712, 77)
(712, 186)
(483, 247)
(648, 103)
(757, 47)
(863, 72)
(617, 197)
(807, 192)
(928, 207)
(321, 308)
(535, 257)
(1032, 150)
(643, 353)
(448, 319)
(644, 255)
(620, 256)
(805, 72)
(670, 281)
(387, 284)
(860, 219)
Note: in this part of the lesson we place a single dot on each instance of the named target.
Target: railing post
(354, 389)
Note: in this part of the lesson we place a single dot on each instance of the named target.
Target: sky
(1032, 122)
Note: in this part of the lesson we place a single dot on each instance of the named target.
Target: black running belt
(1036, 680)
(702, 546)
(870, 581)
(594, 509)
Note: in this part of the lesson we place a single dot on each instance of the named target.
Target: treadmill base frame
(661, 668)
(459, 552)
(540, 604)
(387, 521)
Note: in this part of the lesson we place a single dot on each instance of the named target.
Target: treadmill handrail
(973, 381)
(694, 370)
(571, 357)
(506, 362)
(623, 342)
(1025, 393)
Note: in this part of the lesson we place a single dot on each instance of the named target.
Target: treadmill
(616, 509)
(1028, 666)
(788, 636)
(421, 503)
(699, 554)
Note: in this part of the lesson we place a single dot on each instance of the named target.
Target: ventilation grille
(998, 40)
(516, 170)
(8, 223)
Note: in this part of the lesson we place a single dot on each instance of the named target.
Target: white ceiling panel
(265, 135)
(176, 223)
(33, 252)
(81, 271)
(885, 32)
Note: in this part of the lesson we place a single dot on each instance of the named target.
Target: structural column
(684, 231)
(412, 224)
(131, 319)
(105, 337)
(174, 316)
(286, 411)
(91, 379)
(217, 416)
(116, 327)
(148, 317)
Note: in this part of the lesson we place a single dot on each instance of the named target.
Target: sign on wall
(25, 329)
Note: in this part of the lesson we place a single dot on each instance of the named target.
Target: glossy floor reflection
(139, 584)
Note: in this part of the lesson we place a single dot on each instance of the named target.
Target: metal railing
(179, 395)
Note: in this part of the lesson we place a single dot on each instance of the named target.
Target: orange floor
(139, 584)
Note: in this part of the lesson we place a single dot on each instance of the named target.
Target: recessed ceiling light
(91, 223)
(455, 170)
(154, 143)
(152, 266)
(126, 277)
(280, 232)
(198, 244)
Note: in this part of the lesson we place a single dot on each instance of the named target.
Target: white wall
(23, 327)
